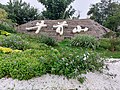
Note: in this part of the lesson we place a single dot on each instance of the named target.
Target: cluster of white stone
(59, 27)
(45, 82)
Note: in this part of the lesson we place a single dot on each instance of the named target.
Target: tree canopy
(113, 22)
(107, 13)
(3, 14)
(57, 9)
(102, 10)
(21, 12)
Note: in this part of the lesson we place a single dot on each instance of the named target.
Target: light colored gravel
(46, 82)
(108, 80)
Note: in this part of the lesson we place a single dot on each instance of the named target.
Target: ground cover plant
(86, 41)
(41, 59)
(6, 27)
(31, 63)
(15, 42)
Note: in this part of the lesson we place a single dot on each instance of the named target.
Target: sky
(81, 6)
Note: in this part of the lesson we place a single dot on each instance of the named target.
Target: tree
(113, 22)
(4, 17)
(3, 14)
(102, 10)
(21, 12)
(57, 9)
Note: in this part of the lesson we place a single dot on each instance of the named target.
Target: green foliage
(38, 59)
(74, 64)
(115, 44)
(3, 14)
(27, 64)
(43, 59)
(7, 28)
(65, 42)
(57, 9)
(85, 41)
(31, 63)
(118, 34)
(102, 10)
(113, 22)
(21, 12)
(112, 44)
(15, 42)
(47, 40)
(105, 43)
(110, 54)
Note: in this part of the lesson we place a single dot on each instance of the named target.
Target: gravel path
(108, 80)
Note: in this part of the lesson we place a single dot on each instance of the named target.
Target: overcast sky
(81, 6)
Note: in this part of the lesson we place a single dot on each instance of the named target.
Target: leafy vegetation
(20, 12)
(85, 41)
(31, 63)
(106, 12)
(57, 9)
(112, 44)
(3, 14)
(47, 40)
(8, 28)
(113, 22)
(102, 10)
(105, 43)
(15, 42)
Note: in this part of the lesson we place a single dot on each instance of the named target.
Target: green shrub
(15, 42)
(118, 34)
(73, 65)
(105, 43)
(31, 63)
(112, 44)
(7, 28)
(47, 40)
(34, 42)
(115, 44)
(85, 41)
(27, 64)
(76, 59)
(65, 42)
(117, 47)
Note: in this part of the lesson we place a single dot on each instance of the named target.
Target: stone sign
(61, 29)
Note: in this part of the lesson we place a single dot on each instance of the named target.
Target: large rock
(95, 29)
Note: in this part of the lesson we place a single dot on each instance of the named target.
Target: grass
(109, 54)
(103, 52)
